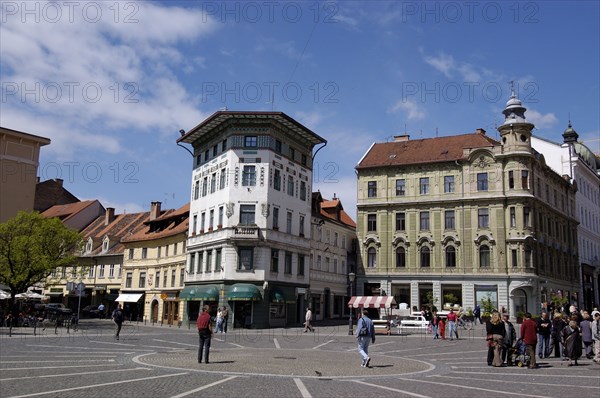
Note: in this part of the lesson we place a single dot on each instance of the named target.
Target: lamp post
(351, 277)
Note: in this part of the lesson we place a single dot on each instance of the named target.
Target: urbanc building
(464, 218)
(576, 160)
(248, 242)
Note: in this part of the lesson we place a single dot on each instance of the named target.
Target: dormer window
(89, 245)
(105, 244)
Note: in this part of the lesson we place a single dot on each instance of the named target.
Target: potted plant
(520, 316)
(487, 307)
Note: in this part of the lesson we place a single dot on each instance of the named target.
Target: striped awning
(372, 302)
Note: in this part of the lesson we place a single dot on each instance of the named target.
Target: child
(442, 328)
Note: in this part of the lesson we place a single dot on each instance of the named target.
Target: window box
(201, 231)
(219, 226)
(210, 229)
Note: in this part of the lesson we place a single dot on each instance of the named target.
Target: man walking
(544, 327)
(477, 313)
(225, 315)
(365, 333)
(117, 317)
(529, 336)
(307, 320)
(205, 333)
(452, 319)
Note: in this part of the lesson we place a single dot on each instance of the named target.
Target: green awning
(200, 292)
(277, 296)
(243, 292)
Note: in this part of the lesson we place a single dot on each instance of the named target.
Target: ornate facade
(461, 218)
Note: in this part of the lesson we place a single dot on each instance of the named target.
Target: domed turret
(570, 135)
(516, 130)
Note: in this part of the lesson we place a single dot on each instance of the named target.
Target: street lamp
(351, 277)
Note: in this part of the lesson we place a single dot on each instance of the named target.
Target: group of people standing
(569, 336)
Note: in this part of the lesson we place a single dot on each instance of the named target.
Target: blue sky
(112, 83)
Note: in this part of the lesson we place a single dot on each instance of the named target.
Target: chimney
(480, 131)
(154, 210)
(109, 216)
(401, 138)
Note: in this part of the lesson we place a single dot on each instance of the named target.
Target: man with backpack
(117, 317)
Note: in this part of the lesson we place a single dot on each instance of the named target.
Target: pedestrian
(586, 334)
(101, 311)
(510, 337)
(225, 314)
(477, 314)
(219, 321)
(442, 328)
(544, 328)
(571, 340)
(596, 335)
(307, 319)
(117, 317)
(529, 336)
(452, 330)
(434, 325)
(365, 333)
(496, 331)
(205, 333)
(557, 326)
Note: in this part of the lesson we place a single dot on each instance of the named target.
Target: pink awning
(372, 302)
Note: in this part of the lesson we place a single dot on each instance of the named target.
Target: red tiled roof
(331, 209)
(67, 210)
(171, 223)
(428, 150)
(121, 226)
(51, 192)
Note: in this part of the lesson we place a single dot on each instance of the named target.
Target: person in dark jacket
(529, 336)
(510, 338)
(571, 340)
(495, 336)
(118, 317)
(544, 327)
(557, 325)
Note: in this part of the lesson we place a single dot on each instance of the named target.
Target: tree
(31, 247)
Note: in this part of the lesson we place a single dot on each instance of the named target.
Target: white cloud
(410, 107)
(349, 21)
(540, 120)
(310, 119)
(443, 63)
(101, 76)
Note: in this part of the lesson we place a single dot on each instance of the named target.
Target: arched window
(450, 257)
(425, 257)
(371, 258)
(400, 257)
(484, 256)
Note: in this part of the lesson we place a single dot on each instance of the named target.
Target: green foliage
(31, 246)
(450, 298)
(520, 314)
(430, 299)
(558, 301)
(487, 305)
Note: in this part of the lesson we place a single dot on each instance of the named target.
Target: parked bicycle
(465, 323)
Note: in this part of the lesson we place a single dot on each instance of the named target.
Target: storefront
(278, 303)
(170, 313)
(197, 296)
(242, 297)
(133, 307)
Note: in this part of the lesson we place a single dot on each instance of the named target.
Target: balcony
(245, 233)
